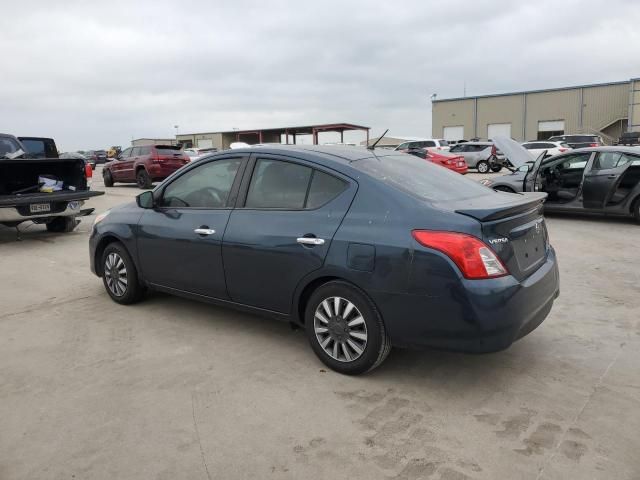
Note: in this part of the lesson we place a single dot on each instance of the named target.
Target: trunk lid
(514, 227)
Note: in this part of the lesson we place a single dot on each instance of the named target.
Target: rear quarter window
(420, 179)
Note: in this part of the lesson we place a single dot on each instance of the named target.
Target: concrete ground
(171, 388)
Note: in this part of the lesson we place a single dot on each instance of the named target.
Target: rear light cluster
(560, 149)
(474, 258)
(594, 145)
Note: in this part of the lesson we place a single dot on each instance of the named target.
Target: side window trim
(233, 193)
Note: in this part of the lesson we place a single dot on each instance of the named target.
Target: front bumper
(475, 316)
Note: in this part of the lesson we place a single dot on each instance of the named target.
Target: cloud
(94, 74)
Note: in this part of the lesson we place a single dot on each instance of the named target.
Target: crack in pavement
(43, 305)
(596, 387)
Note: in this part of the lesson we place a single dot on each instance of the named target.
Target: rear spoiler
(513, 204)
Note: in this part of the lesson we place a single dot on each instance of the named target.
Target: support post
(341, 136)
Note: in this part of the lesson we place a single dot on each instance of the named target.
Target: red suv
(144, 165)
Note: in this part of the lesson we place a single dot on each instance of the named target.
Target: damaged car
(601, 180)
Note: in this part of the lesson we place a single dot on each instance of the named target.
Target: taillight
(474, 258)
(156, 157)
(562, 149)
(594, 145)
(494, 150)
(87, 170)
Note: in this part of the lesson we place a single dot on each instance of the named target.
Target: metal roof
(304, 129)
(545, 90)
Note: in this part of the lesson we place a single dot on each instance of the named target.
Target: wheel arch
(100, 248)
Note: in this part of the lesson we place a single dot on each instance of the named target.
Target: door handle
(310, 241)
(204, 231)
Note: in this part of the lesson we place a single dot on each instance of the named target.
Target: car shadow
(430, 365)
(591, 217)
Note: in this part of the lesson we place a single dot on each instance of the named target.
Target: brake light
(87, 171)
(474, 258)
(562, 149)
(594, 145)
(156, 156)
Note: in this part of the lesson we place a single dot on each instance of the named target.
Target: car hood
(511, 149)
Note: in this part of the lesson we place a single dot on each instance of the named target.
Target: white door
(453, 133)
(494, 129)
(551, 126)
(205, 143)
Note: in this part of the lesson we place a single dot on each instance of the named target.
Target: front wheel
(143, 179)
(496, 168)
(483, 166)
(119, 275)
(345, 329)
(107, 178)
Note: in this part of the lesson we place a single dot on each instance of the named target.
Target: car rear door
(180, 241)
(282, 228)
(602, 179)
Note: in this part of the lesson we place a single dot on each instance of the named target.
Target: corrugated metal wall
(586, 109)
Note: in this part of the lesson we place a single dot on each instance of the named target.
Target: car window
(404, 145)
(145, 150)
(206, 186)
(428, 144)
(136, 151)
(8, 145)
(324, 188)
(278, 184)
(443, 143)
(420, 179)
(606, 160)
(529, 146)
(547, 145)
(573, 162)
(624, 159)
(457, 148)
(126, 153)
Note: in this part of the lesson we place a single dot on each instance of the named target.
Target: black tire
(111, 268)
(482, 166)
(143, 179)
(636, 210)
(62, 224)
(376, 344)
(501, 188)
(496, 168)
(107, 178)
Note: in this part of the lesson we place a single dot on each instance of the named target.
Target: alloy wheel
(115, 272)
(340, 329)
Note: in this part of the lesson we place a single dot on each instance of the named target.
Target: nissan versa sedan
(364, 249)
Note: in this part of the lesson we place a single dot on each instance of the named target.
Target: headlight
(100, 217)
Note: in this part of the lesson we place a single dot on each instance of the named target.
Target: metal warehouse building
(605, 109)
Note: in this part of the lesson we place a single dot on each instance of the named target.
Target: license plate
(39, 207)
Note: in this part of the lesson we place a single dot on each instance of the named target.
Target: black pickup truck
(37, 186)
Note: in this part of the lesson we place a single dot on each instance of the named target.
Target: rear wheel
(483, 166)
(636, 210)
(107, 178)
(345, 329)
(143, 179)
(62, 224)
(119, 275)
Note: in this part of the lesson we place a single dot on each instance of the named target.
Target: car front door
(603, 177)
(180, 240)
(116, 166)
(281, 229)
(126, 165)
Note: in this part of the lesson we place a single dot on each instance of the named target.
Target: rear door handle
(204, 231)
(310, 241)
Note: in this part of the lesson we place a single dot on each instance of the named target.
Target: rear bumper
(475, 316)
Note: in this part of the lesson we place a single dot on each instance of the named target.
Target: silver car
(480, 155)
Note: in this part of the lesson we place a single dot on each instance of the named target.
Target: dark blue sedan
(364, 249)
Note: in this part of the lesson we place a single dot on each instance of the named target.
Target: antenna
(371, 147)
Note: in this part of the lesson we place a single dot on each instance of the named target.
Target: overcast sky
(95, 74)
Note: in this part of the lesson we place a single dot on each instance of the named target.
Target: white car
(195, 153)
(435, 144)
(552, 148)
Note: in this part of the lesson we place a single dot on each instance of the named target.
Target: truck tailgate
(31, 198)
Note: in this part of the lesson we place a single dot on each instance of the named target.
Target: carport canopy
(290, 134)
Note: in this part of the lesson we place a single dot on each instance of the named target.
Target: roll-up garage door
(551, 126)
(503, 129)
(205, 143)
(453, 133)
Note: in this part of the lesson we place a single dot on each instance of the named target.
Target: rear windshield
(7, 146)
(420, 178)
(443, 143)
(168, 150)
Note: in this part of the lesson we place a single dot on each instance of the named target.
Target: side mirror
(145, 199)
